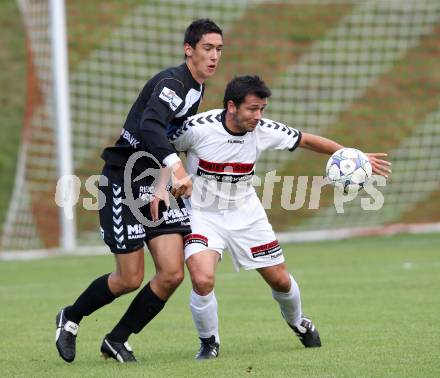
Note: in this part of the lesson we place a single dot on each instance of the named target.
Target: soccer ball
(348, 169)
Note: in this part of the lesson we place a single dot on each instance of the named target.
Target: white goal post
(62, 117)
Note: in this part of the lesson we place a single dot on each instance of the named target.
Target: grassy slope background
(374, 300)
(379, 112)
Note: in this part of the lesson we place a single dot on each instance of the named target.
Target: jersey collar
(223, 118)
(194, 82)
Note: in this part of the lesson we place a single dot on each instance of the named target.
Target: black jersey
(169, 98)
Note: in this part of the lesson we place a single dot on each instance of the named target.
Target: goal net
(365, 73)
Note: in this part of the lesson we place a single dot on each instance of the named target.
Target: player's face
(203, 59)
(245, 117)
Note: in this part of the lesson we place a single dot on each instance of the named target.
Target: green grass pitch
(375, 301)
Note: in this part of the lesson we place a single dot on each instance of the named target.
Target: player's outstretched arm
(319, 144)
(327, 146)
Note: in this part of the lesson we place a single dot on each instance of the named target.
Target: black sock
(97, 295)
(144, 307)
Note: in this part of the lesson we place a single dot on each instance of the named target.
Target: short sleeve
(277, 136)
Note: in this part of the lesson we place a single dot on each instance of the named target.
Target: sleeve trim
(170, 160)
(295, 145)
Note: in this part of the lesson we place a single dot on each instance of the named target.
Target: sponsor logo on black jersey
(171, 97)
(273, 249)
(175, 215)
(146, 192)
(135, 231)
(125, 134)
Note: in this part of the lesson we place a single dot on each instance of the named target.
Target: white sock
(290, 303)
(204, 312)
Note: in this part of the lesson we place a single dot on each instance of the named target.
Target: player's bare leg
(203, 302)
(286, 292)
(202, 266)
(129, 272)
(167, 253)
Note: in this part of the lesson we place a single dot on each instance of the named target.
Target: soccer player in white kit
(223, 146)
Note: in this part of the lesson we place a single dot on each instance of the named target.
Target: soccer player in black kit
(169, 98)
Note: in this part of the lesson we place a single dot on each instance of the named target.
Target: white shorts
(245, 232)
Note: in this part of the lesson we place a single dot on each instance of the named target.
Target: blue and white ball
(348, 169)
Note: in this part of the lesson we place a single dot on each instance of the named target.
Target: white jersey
(223, 163)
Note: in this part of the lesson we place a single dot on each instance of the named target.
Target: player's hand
(380, 166)
(181, 182)
(160, 194)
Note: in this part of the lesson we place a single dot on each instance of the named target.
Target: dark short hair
(241, 86)
(198, 28)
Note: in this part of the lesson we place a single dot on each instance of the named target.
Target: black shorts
(125, 226)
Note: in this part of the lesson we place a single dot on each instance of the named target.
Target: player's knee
(203, 283)
(172, 279)
(176, 278)
(125, 283)
(281, 283)
(132, 282)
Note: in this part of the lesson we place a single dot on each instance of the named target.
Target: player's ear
(231, 106)
(187, 49)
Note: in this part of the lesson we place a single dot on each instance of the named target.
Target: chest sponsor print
(225, 172)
